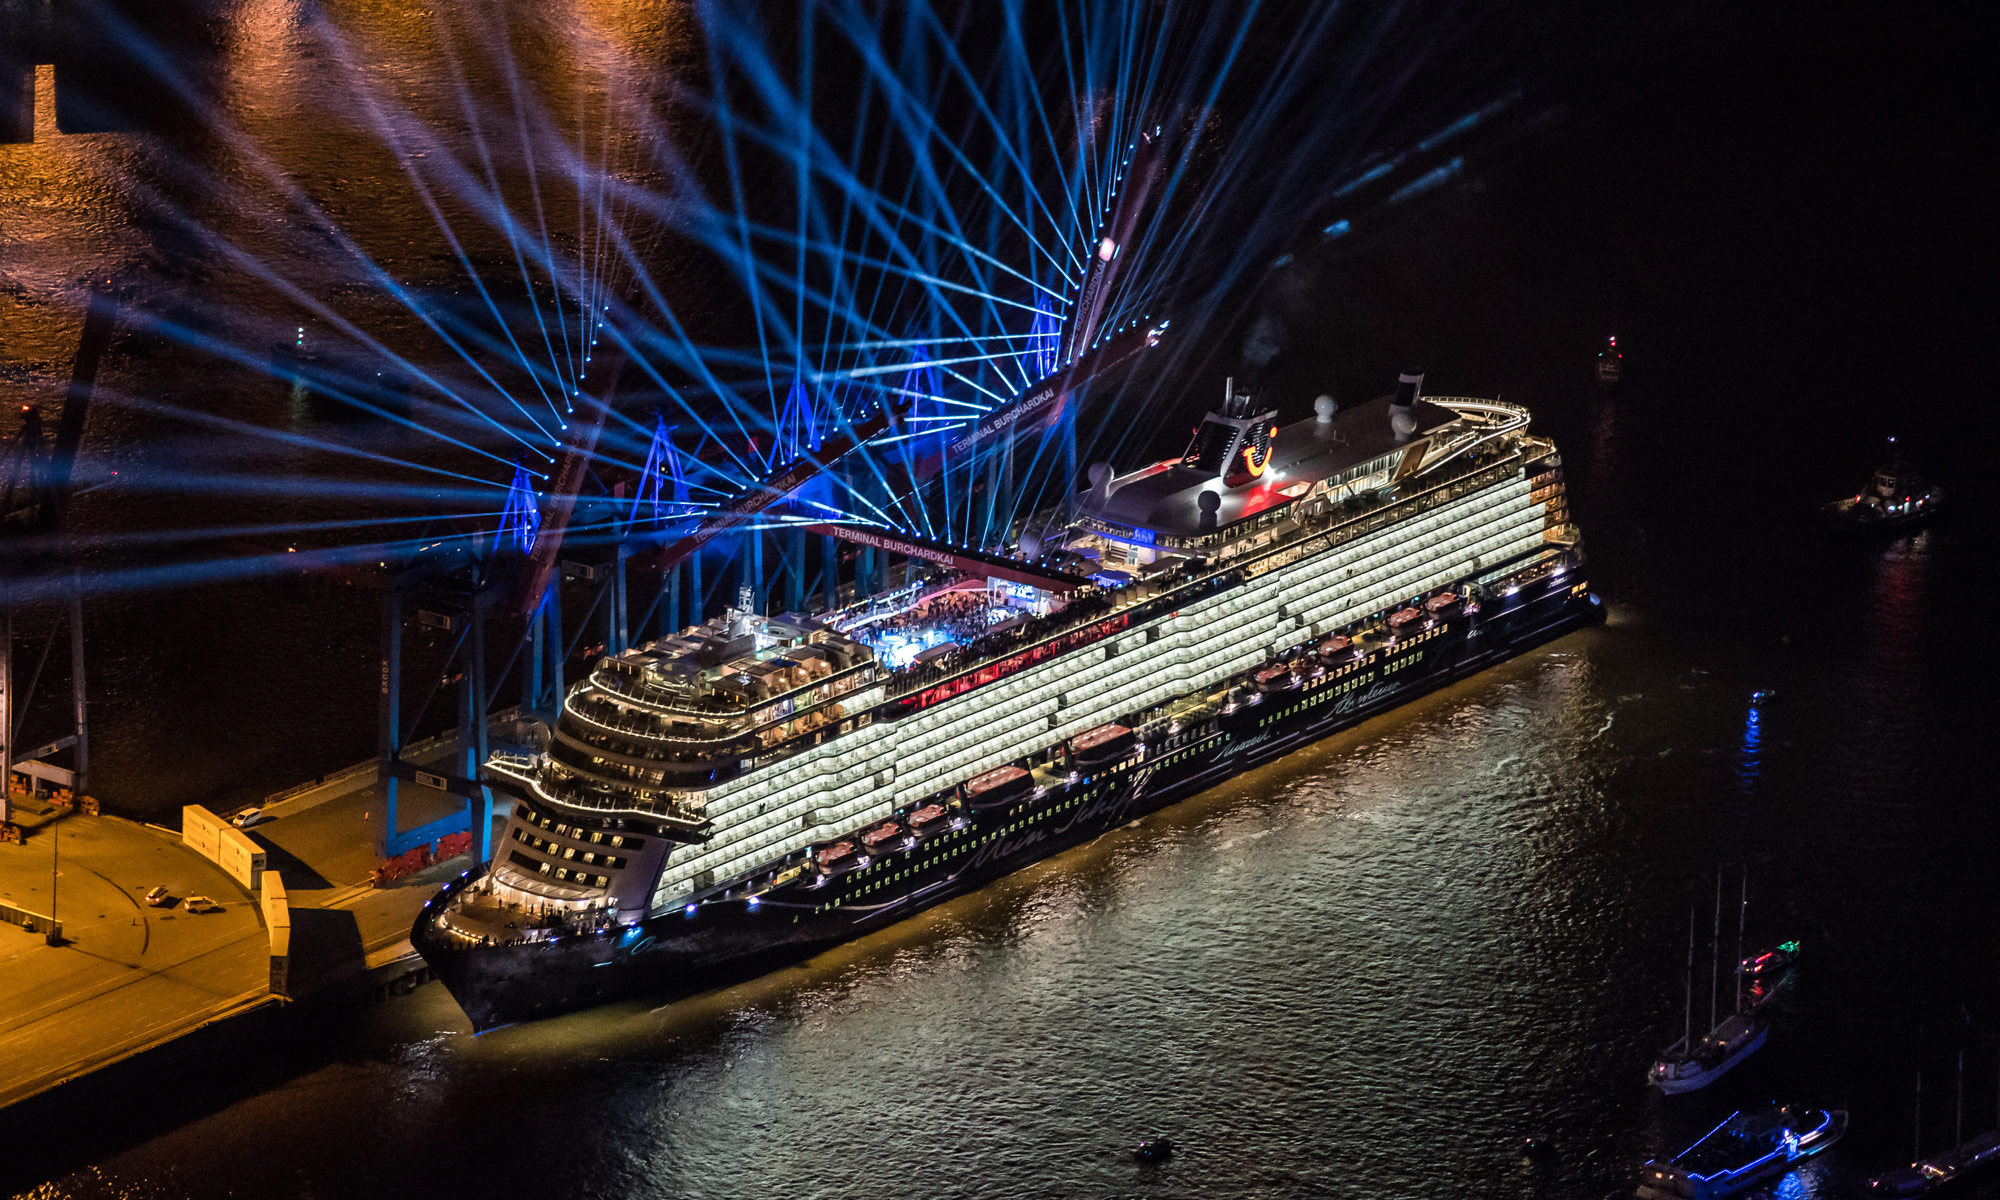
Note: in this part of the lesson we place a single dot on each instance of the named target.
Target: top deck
(1164, 499)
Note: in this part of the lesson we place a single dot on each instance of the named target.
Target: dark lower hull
(725, 940)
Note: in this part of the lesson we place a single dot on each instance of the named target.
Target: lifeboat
(1441, 602)
(1001, 785)
(922, 820)
(1277, 679)
(881, 835)
(1335, 650)
(835, 857)
(1100, 747)
(1404, 620)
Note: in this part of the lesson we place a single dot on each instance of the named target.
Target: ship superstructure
(756, 787)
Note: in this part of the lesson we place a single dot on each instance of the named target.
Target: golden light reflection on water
(361, 107)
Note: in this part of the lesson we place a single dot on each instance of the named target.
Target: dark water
(1368, 970)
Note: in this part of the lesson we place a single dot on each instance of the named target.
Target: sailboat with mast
(1968, 1157)
(1693, 1063)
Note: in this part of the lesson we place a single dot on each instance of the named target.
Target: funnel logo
(1257, 457)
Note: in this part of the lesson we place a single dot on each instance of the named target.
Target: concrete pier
(126, 976)
(129, 977)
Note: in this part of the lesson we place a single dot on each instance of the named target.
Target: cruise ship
(758, 788)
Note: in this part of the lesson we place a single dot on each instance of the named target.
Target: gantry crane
(36, 481)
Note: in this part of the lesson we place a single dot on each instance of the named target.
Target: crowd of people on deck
(960, 615)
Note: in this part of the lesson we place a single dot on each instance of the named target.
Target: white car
(200, 904)
(246, 818)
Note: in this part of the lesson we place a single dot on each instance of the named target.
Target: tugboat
(1610, 363)
(1745, 1150)
(1896, 500)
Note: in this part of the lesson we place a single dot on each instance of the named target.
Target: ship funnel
(1235, 402)
(1403, 410)
(1409, 389)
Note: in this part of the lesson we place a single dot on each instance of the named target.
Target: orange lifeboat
(999, 786)
(1097, 747)
(1277, 679)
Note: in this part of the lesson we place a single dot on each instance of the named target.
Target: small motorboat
(1742, 1152)
(1154, 1150)
(1441, 602)
(1767, 965)
(926, 817)
(1405, 620)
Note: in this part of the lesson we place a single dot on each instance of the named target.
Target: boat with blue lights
(755, 789)
(1747, 1149)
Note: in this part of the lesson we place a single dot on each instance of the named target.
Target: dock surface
(128, 976)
